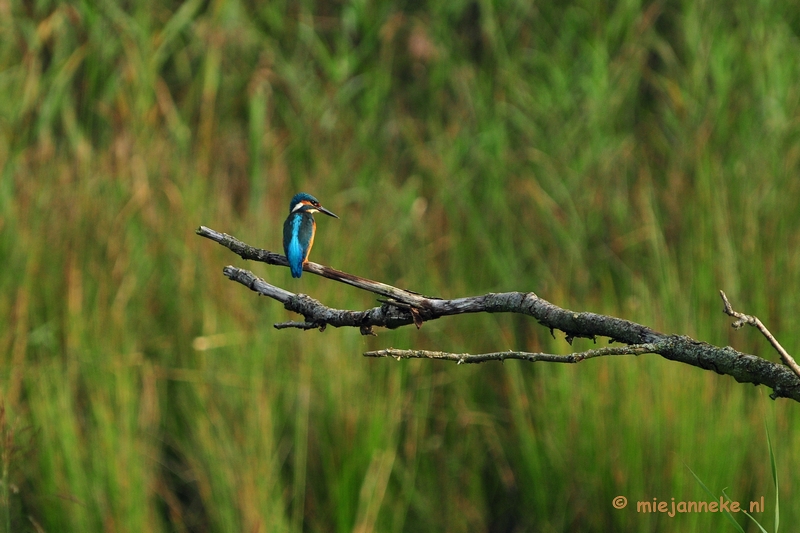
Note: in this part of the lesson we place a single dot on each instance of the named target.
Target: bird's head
(305, 203)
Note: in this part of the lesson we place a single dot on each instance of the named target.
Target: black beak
(329, 213)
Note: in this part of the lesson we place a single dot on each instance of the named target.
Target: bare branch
(743, 319)
(404, 307)
(318, 315)
(461, 358)
(245, 251)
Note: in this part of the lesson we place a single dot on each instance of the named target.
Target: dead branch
(743, 319)
(465, 358)
(402, 307)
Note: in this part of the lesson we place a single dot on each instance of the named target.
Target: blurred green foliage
(617, 157)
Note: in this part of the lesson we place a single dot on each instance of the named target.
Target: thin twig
(466, 358)
(299, 325)
(742, 319)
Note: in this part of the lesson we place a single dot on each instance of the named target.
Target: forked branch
(401, 307)
(742, 319)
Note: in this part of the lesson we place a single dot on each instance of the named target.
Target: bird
(299, 230)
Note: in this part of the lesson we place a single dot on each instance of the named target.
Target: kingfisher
(299, 229)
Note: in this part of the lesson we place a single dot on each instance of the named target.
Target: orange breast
(311, 241)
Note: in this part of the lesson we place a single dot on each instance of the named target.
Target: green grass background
(618, 157)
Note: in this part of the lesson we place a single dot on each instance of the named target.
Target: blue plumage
(299, 230)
